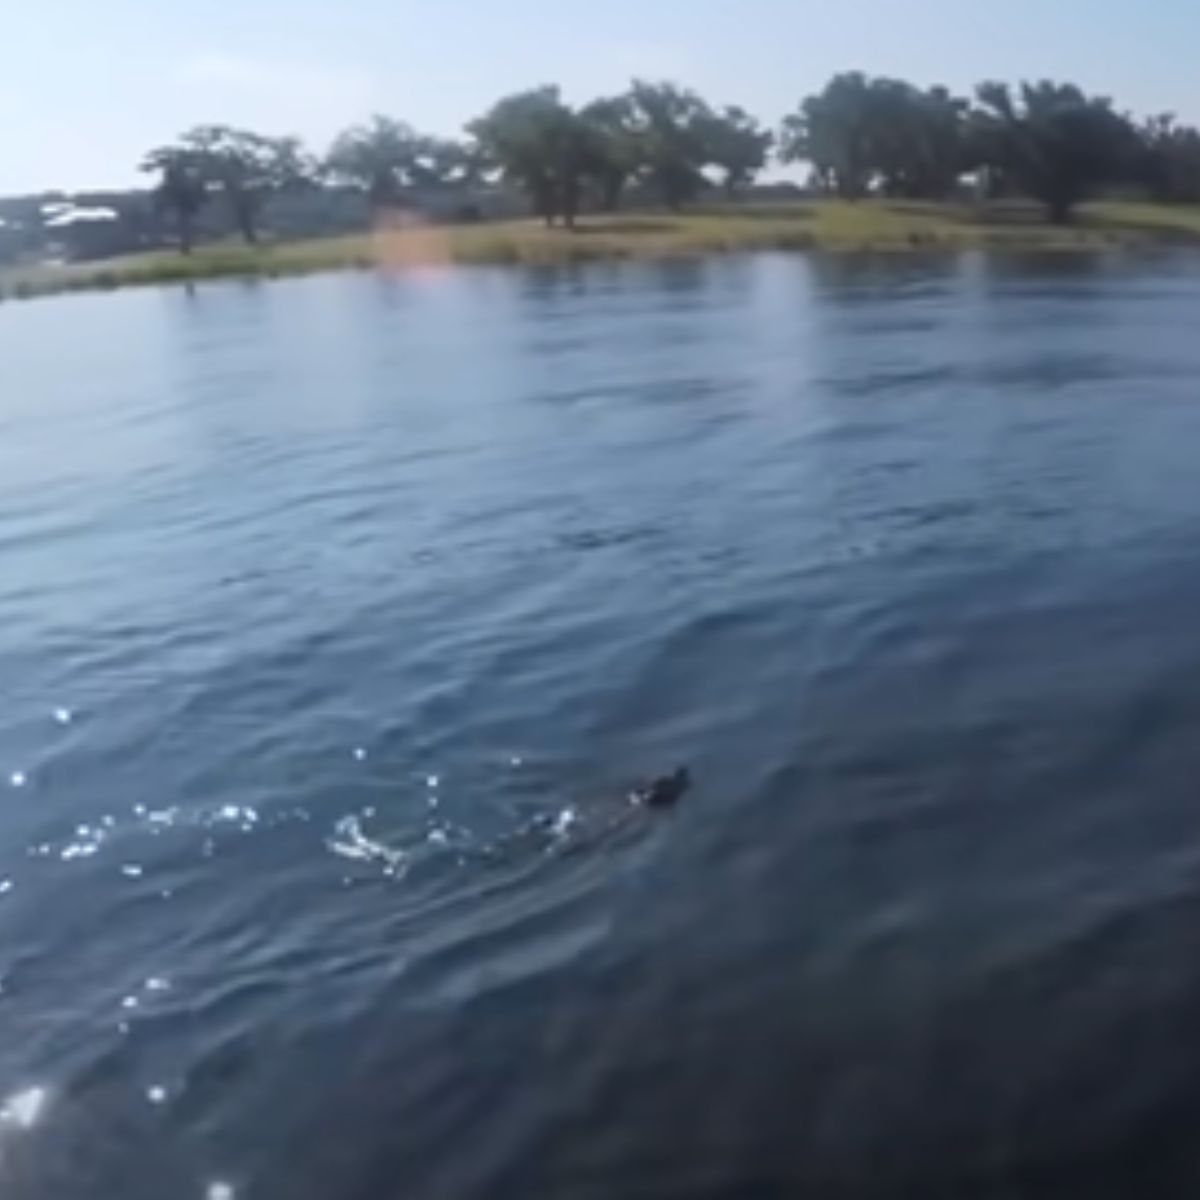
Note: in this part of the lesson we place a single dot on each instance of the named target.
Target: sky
(87, 86)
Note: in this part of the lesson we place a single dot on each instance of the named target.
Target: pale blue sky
(87, 85)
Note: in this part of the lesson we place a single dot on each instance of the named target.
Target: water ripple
(349, 611)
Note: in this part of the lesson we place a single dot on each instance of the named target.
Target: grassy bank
(866, 227)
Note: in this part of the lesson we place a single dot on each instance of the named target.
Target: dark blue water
(339, 616)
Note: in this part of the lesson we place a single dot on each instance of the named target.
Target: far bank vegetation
(664, 144)
(876, 161)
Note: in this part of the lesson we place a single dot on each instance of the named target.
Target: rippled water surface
(339, 616)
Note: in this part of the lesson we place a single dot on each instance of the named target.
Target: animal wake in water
(664, 792)
(572, 828)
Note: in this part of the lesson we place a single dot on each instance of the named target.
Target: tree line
(860, 136)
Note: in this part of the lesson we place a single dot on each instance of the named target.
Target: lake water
(339, 616)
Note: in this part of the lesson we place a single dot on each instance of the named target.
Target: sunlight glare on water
(341, 616)
(25, 1109)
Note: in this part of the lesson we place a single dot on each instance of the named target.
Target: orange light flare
(402, 240)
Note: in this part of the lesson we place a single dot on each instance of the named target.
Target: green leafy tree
(616, 148)
(918, 140)
(736, 144)
(476, 168)
(860, 134)
(379, 157)
(1171, 160)
(835, 131)
(387, 159)
(946, 152)
(1056, 143)
(442, 163)
(542, 147)
(247, 168)
(671, 123)
(181, 190)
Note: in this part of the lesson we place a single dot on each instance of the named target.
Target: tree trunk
(243, 214)
(1060, 208)
(614, 185)
(848, 187)
(570, 202)
(185, 233)
(542, 200)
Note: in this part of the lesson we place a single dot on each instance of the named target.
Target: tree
(1056, 143)
(833, 131)
(181, 190)
(1171, 160)
(918, 139)
(737, 144)
(379, 157)
(387, 158)
(476, 167)
(248, 168)
(441, 163)
(861, 134)
(616, 147)
(670, 123)
(542, 147)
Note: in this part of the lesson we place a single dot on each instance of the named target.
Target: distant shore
(869, 226)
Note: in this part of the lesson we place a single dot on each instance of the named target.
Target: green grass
(866, 227)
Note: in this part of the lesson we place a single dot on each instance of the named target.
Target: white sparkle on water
(360, 753)
(63, 716)
(564, 821)
(156, 983)
(156, 1094)
(24, 1109)
(219, 1191)
(78, 850)
(6, 886)
(130, 1002)
(18, 779)
(132, 870)
(515, 760)
(433, 781)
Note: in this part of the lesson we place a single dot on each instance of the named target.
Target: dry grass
(868, 226)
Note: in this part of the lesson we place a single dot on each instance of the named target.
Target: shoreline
(837, 227)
